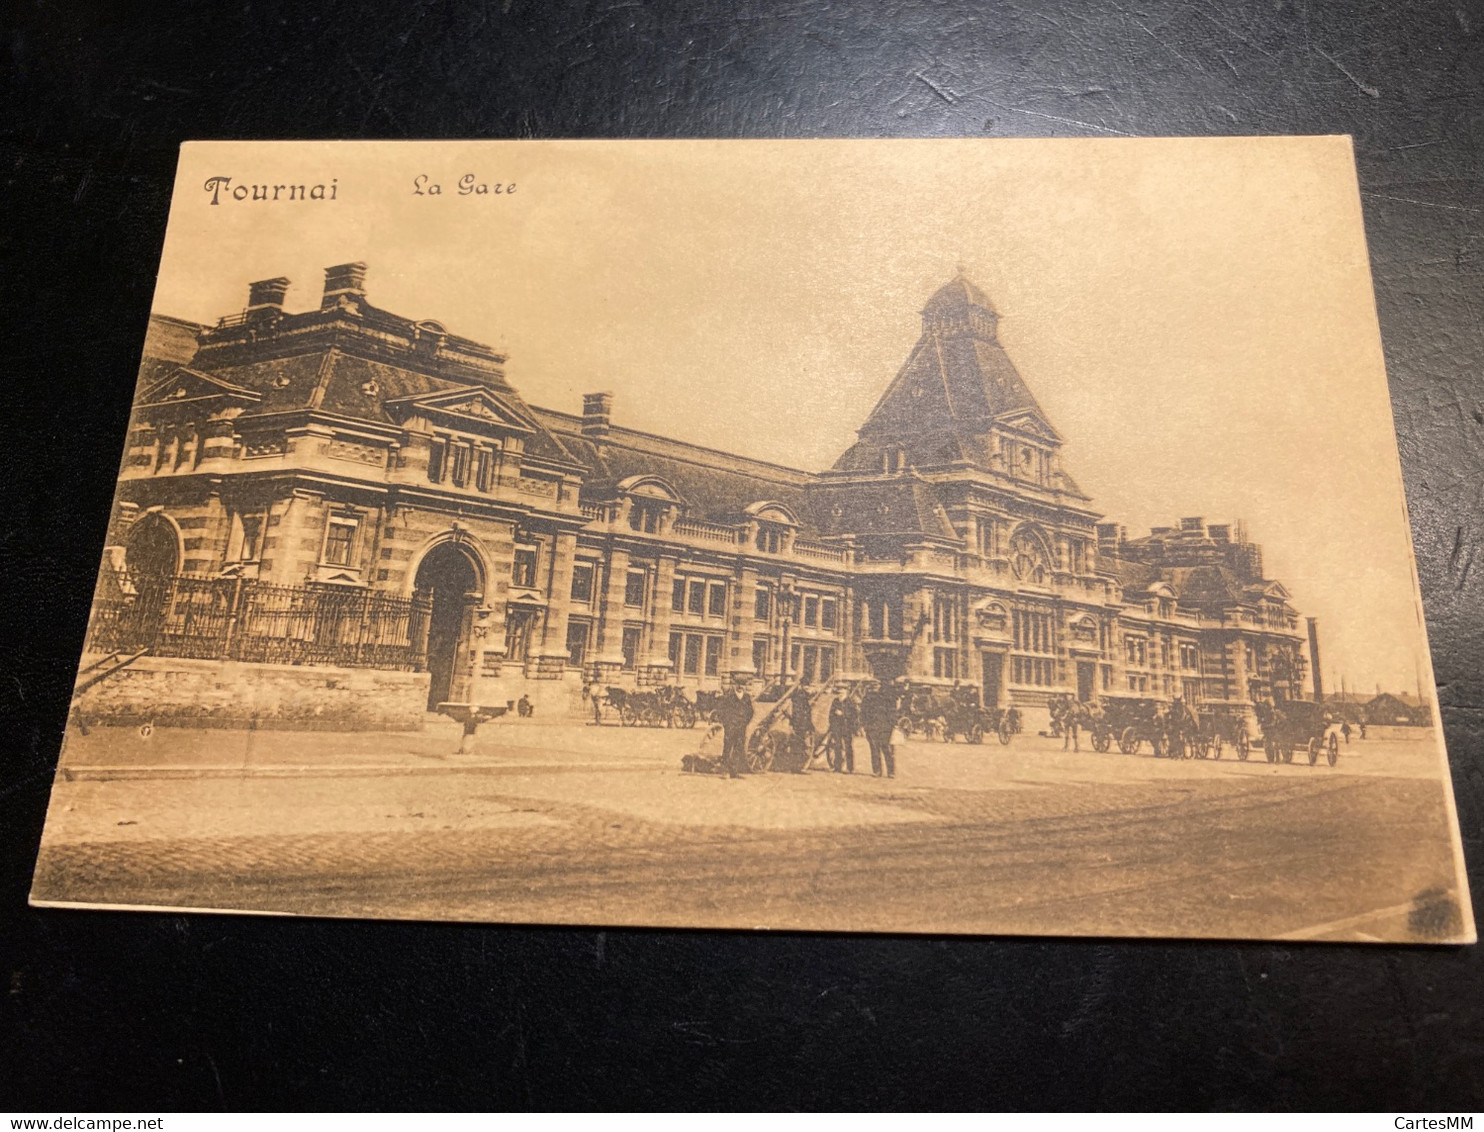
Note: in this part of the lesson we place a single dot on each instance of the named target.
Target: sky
(1196, 316)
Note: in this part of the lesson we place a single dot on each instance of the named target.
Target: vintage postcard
(905, 536)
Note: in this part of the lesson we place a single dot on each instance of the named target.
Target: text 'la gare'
(466, 186)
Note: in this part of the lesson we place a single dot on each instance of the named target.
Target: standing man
(878, 717)
(734, 713)
(1345, 731)
(844, 719)
(1071, 716)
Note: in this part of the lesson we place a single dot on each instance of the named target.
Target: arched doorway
(152, 548)
(449, 577)
(147, 583)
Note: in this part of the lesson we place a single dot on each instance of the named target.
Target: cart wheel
(760, 758)
(1128, 742)
(1244, 746)
(1004, 731)
(1334, 749)
(1101, 741)
(1314, 745)
(904, 725)
(976, 733)
(626, 716)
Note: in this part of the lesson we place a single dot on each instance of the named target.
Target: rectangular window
(826, 664)
(582, 583)
(696, 602)
(675, 643)
(577, 634)
(713, 655)
(523, 567)
(692, 654)
(795, 656)
(760, 657)
(677, 596)
(829, 614)
(252, 529)
(482, 463)
(762, 603)
(437, 458)
(716, 599)
(340, 537)
(811, 664)
(945, 664)
(876, 619)
(633, 589)
(460, 452)
(630, 646)
(811, 611)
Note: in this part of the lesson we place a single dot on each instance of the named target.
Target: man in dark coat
(844, 719)
(878, 717)
(734, 713)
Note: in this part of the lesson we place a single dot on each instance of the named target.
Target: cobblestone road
(561, 823)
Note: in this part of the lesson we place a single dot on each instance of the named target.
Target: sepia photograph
(936, 536)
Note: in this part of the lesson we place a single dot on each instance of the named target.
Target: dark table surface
(109, 1011)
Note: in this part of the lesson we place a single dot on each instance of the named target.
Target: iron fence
(245, 619)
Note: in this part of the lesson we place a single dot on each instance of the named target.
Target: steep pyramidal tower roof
(957, 384)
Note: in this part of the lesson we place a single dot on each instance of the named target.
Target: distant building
(345, 486)
(1398, 709)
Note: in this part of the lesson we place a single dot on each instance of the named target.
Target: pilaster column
(655, 665)
(742, 625)
(551, 657)
(610, 629)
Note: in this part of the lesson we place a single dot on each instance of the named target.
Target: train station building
(345, 488)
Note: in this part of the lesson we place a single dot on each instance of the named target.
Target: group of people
(872, 709)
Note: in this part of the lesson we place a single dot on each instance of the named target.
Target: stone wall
(210, 693)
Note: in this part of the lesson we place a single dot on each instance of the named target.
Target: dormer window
(893, 461)
(645, 517)
(769, 539)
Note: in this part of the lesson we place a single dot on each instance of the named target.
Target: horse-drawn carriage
(1297, 725)
(1172, 730)
(1129, 721)
(664, 706)
(950, 713)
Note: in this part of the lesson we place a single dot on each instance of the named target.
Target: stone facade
(349, 447)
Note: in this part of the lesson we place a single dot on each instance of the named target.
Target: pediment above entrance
(990, 618)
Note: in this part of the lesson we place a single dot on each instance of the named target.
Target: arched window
(1029, 560)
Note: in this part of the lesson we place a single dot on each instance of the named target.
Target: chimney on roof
(597, 413)
(347, 279)
(1221, 533)
(1110, 536)
(1194, 526)
(1317, 673)
(266, 296)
